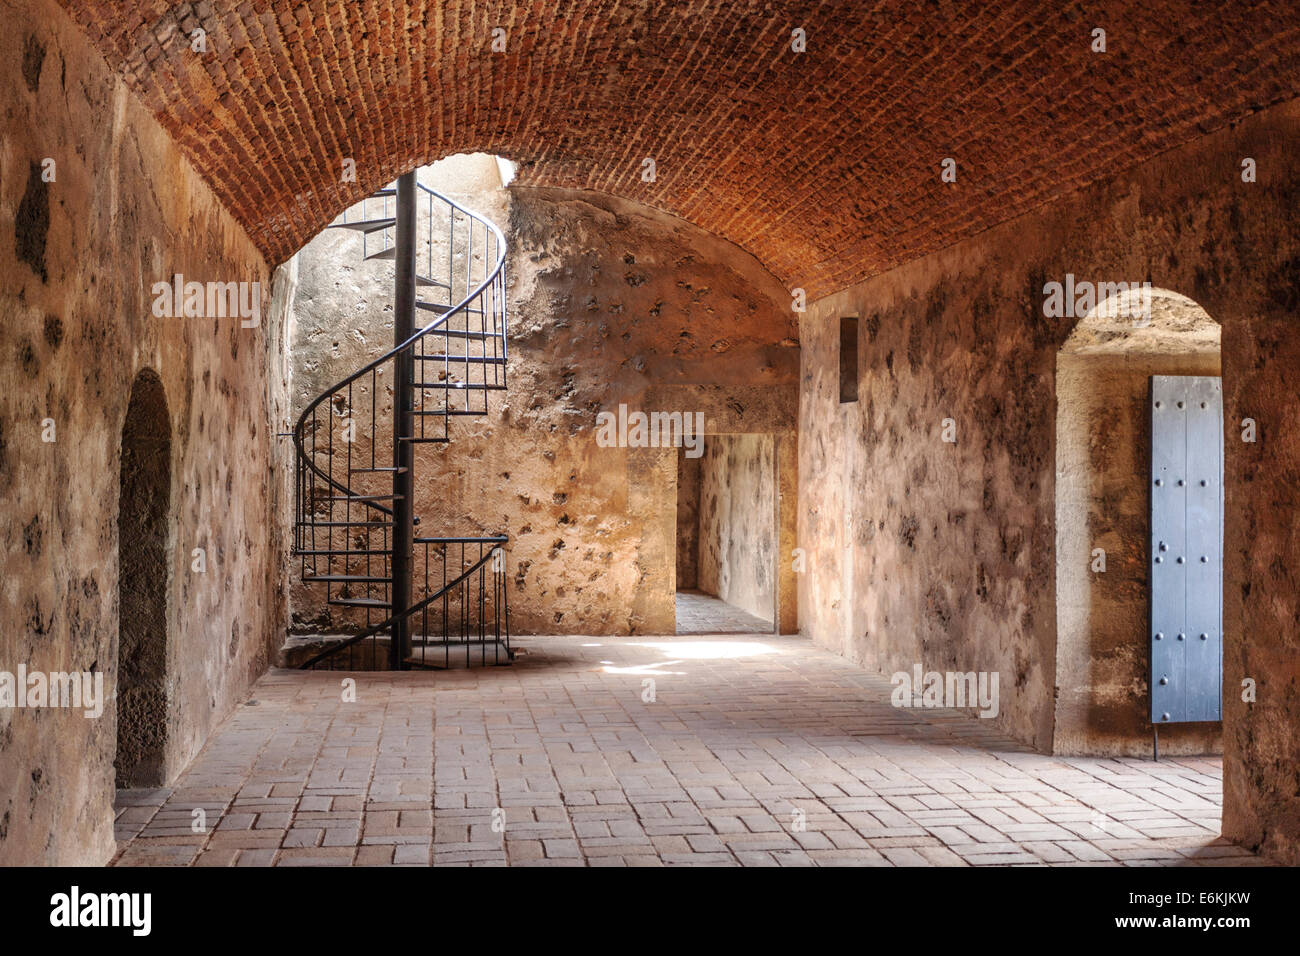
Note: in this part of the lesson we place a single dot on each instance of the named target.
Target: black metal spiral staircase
(355, 528)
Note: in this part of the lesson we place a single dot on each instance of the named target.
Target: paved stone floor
(700, 613)
(762, 751)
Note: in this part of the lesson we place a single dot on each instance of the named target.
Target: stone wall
(925, 551)
(610, 303)
(737, 537)
(78, 257)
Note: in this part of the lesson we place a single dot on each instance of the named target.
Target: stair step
(463, 386)
(382, 192)
(391, 254)
(366, 226)
(463, 359)
(443, 413)
(388, 497)
(485, 653)
(437, 308)
(459, 334)
(416, 440)
(346, 579)
(389, 469)
(359, 552)
(346, 524)
(360, 602)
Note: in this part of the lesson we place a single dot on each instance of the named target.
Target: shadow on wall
(143, 578)
(1103, 440)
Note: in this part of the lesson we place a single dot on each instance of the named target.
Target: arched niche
(143, 578)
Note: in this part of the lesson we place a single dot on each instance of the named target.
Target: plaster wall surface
(943, 553)
(78, 257)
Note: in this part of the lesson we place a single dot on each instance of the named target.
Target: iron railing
(351, 478)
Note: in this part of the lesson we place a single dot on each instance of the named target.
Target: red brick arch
(824, 164)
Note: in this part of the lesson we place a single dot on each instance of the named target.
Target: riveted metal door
(1186, 548)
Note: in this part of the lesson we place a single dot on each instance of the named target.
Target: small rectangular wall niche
(848, 360)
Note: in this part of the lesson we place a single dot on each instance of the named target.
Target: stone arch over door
(143, 583)
(1103, 439)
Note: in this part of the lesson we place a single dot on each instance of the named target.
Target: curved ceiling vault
(824, 164)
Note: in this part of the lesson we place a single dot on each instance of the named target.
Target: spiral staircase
(409, 600)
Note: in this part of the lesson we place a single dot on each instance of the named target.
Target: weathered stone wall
(610, 303)
(942, 553)
(738, 538)
(78, 257)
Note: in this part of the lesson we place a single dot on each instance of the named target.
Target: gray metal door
(1186, 548)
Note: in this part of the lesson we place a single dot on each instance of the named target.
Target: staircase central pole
(403, 419)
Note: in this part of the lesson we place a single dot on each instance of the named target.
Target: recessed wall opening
(143, 574)
(727, 536)
(1103, 520)
(848, 360)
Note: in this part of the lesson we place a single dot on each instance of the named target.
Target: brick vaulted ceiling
(824, 164)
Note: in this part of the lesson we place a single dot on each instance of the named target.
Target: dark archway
(143, 575)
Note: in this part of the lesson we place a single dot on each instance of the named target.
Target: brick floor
(700, 613)
(753, 751)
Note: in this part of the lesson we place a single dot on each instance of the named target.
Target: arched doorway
(143, 578)
(1104, 377)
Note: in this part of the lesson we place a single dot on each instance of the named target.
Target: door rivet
(1159, 482)
(1204, 482)
(1164, 716)
(1182, 636)
(1205, 559)
(1160, 635)
(1164, 680)
(1205, 637)
(1181, 482)
(1180, 559)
